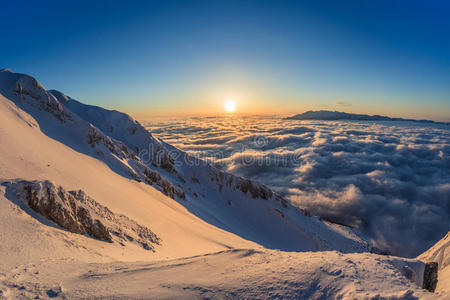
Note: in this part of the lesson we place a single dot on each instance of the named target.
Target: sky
(172, 58)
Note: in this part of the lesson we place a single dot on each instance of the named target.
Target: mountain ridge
(328, 115)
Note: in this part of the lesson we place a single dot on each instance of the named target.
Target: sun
(230, 105)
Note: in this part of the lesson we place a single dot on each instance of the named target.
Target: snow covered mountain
(336, 115)
(92, 205)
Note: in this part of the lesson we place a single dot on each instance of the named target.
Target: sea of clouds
(390, 180)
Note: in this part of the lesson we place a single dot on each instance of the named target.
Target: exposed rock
(60, 207)
(123, 133)
(34, 93)
(95, 138)
(78, 213)
(195, 179)
(246, 186)
(153, 177)
(379, 251)
(255, 190)
(430, 276)
(163, 159)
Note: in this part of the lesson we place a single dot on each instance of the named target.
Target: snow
(209, 247)
(236, 273)
(29, 154)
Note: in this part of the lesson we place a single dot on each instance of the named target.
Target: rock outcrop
(430, 276)
(78, 213)
(247, 187)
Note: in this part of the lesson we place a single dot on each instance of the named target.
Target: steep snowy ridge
(120, 127)
(59, 123)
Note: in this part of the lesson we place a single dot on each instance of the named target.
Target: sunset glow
(225, 149)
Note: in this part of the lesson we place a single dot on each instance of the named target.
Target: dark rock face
(94, 138)
(163, 159)
(246, 186)
(153, 177)
(78, 213)
(60, 207)
(379, 251)
(430, 276)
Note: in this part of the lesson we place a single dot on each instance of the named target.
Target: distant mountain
(327, 115)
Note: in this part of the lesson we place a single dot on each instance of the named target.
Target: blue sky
(187, 57)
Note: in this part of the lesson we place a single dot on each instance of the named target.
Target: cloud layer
(391, 180)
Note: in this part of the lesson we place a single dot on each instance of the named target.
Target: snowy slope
(229, 274)
(210, 244)
(27, 153)
(246, 208)
(440, 253)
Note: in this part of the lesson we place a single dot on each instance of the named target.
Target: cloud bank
(390, 180)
